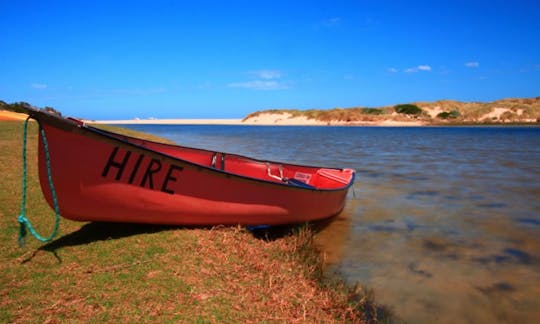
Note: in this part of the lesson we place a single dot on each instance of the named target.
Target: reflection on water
(443, 223)
(433, 255)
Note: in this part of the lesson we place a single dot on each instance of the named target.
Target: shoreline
(278, 119)
(239, 122)
(166, 121)
(185, 274)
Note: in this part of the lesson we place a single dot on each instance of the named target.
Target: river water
(443, 223)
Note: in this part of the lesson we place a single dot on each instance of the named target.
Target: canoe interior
(296, 175)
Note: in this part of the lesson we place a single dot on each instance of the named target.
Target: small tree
(449, 115)
(408, 109)
(372, 111)
(19, 106)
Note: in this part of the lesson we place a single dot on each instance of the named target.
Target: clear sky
(224, 59)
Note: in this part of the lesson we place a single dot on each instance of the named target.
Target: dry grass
(218, 275)
(103, 272)
(355, 114)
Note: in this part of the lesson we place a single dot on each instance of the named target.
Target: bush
(19, 107)
(446, 115)
(372, 111)
(408, 109)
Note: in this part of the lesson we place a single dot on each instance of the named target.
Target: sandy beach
(261, 120)
(496, 114)
(270, 119)
(168, 121)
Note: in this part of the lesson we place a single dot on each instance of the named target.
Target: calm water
(443, 223)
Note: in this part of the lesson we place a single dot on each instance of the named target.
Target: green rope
(23, 221)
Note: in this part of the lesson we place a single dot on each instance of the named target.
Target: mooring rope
(23, 221)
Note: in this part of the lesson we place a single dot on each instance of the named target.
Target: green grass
(103, 272)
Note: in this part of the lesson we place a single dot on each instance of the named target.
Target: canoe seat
(214, 157)
(335, 175)
(214, 160)
(290, 181)
(332, 178)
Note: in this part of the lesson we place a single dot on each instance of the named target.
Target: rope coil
(24, 222)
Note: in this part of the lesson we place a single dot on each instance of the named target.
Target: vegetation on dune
(20, 107)
(347, 114)
(513, 110)
(373, 111)
(408, 109)
(327, 115)
(449, 114)
(103, 272)
(526, 110)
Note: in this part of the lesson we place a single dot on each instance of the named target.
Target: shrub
(508, 116)
(373, 111)
(19, 107)
(408, 109)
(446, 115)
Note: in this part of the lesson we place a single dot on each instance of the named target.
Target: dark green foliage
(326, 115)
(443, 115)
(373, 111)
(408, 109)
(449, 115)
(18, 106)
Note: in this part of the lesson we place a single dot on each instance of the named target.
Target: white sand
(170, 121)
(281, 119)
(495, 114)
(399, 123)
(265, 119)
(287, 119)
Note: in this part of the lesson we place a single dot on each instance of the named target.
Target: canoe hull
(104, 179)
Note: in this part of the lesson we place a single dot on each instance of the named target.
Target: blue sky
(224, 59)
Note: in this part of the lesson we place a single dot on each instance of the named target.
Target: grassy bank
(139, 273)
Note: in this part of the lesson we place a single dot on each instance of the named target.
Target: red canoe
(104, 176)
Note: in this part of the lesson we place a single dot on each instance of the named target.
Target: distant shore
(168, 121)
(525, 111)
(277, 119)
(442, 112)
(262, 120)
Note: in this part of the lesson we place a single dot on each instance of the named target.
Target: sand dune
(502, 111)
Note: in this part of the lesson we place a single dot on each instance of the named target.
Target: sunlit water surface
(442, 222)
